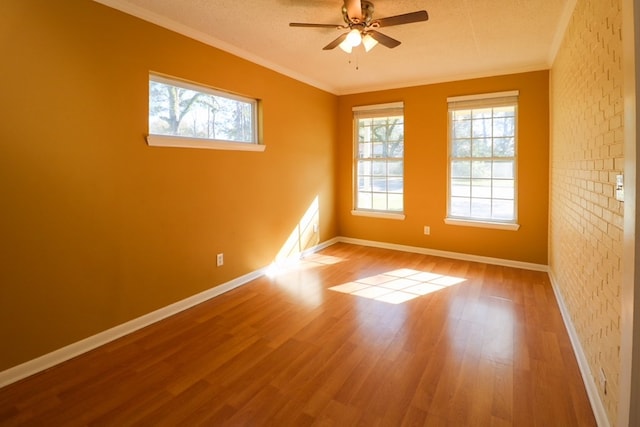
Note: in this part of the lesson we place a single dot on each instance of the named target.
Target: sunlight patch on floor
(300, 277)
(398, 286)
(303, 263)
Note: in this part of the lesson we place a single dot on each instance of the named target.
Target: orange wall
(98, 228)
(426, 171)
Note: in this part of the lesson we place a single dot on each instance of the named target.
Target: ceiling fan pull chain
(356, 60)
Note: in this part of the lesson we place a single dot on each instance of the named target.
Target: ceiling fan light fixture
(354, 38)
(345, 46)
(358, 19)
(369, 42)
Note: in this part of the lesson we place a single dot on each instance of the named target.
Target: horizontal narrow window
(188, 111)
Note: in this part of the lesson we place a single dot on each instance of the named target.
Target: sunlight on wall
(305, 234)
(292, 270)
(398, 286)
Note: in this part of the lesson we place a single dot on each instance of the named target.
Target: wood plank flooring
(352, 336)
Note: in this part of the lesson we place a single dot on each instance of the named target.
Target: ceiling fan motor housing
(367, 15)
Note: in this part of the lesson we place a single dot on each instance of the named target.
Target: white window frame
(497, 99)
(163, 140)
(370, 111)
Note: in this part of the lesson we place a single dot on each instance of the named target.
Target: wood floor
(401, 340)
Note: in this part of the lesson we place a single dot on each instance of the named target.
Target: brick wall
(585, 235)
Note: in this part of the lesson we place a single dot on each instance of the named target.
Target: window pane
(379, 167)
(503, 189)
(396, 202)
(481, 169)
(379, 149)
(481, 208)
(395, 168)
(364, 131)
(395, 132)
(364, 167)
(481, 188)
(460, 169)
(503, 209)
(364, 200)
(376, 132)
(461, 187)
(365, 150)
(461, 148)
(481, 128)
(503, 169)
(395, 185)
(504, 147)
(503, 126)
(461, 129)
(396, 150)
(379, 184)
(460, 206)
(380, 201)
(364, 183)
(481, 147)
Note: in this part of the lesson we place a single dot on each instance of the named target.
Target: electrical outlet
(427, 230)
(219, 260)
(603, 381)
(315, 227)
(620, 188)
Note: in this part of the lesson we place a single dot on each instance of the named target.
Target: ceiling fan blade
(406, 18)
(336, 42)
(304, 24)
(354, 10)
(383, 40)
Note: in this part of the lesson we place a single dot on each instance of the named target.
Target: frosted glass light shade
(345, 46)
(354, 38)
(369, 42)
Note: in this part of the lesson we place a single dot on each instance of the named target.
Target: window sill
(211, 144)
(482, 224)
(373, 214)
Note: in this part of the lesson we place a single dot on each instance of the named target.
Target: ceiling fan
(358, 18)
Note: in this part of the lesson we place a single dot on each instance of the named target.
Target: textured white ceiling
(462, 38)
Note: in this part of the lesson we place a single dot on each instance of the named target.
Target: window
(379, 160)
(482, 160)
(186, 115)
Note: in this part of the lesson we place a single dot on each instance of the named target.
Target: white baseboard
(70, 351)
(446, 254)
(589, 382)
(321, 246)
(75, 349)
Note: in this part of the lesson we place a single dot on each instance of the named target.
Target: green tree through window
(379, 160)
(186, 110)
